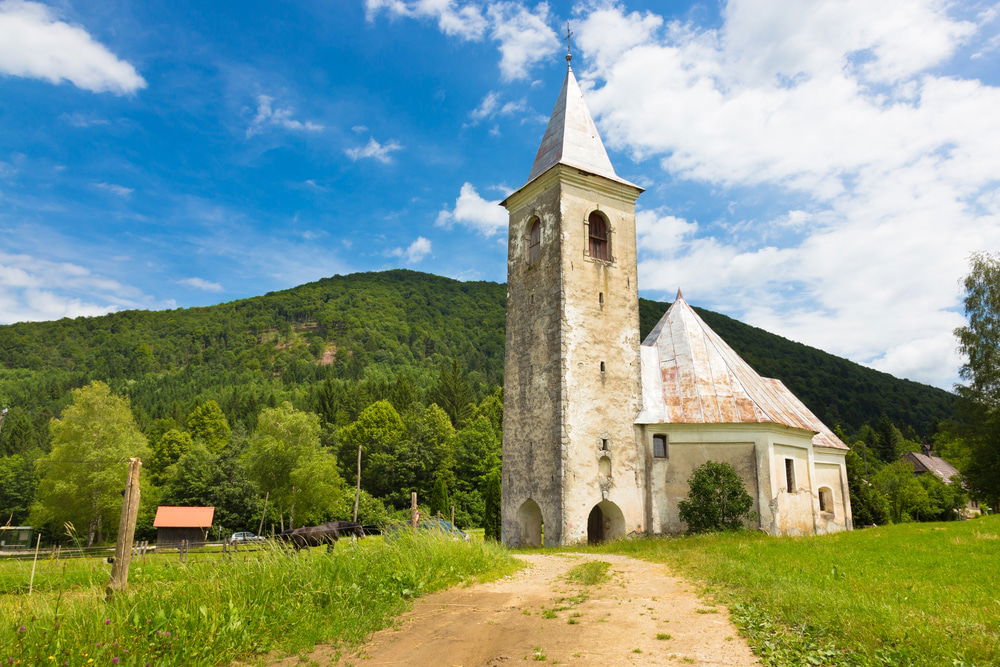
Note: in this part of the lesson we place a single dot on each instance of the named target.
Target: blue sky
(820, 169)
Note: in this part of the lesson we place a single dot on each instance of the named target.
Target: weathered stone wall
(566, 314)
(532, 428)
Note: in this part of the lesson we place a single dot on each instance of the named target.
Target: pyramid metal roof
(691, 376)
(571, 138)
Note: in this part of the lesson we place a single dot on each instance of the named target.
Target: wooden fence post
(414, 512)
(31, 584)
(126, 531)
(453, 516)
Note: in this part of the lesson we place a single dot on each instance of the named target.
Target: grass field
(908, 594)
(214, 609)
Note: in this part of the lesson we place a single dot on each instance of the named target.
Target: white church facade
(602, 430)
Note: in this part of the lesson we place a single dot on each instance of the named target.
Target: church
(602, 430)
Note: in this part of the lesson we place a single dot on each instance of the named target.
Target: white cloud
(374, 150)
(78, 119)
(454, 18)
(890, 167)
(524, 35)
(415, 252)
(471, 210)
(202, 284)
(268, 116)
(34, 43)
(115, 189)
(493, 106)
(33, 289)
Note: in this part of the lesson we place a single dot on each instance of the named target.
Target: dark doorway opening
(595, 526)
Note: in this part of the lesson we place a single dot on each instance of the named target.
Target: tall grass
(909, 594)
(213, 610)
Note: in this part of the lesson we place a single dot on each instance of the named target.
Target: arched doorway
(606, 522)
(529, 522)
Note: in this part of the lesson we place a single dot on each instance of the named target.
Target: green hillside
(335, 345)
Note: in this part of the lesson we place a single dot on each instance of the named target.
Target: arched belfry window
(599, 239)
(534, 240)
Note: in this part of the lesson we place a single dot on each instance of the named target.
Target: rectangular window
(659, 446)
(790, 475)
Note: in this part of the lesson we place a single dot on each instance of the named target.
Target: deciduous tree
(978, 409)
(84, 473)
(208, 423)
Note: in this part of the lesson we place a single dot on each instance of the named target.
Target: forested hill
(338, 342)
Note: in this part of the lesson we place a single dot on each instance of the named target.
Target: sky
(821, 169)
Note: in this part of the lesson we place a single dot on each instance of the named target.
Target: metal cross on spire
(569, 44)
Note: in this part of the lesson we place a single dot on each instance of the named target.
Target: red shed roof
(183, 517)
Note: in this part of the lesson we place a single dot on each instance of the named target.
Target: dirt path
(536, 614)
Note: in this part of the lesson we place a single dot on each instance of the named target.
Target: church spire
(571, 137)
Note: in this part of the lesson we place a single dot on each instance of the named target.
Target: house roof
(183, 517)
(934, 464)
(571, 138)
(691, 376)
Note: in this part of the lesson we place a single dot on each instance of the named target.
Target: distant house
(925, 462)
(175, 524)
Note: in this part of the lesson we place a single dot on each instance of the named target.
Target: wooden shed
(175, 524)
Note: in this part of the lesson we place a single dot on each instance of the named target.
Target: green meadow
(905, 594)
(212, 609)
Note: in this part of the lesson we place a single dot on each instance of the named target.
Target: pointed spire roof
(691, 376)
(571, 137)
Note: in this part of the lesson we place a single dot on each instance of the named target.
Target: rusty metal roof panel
(691, 376)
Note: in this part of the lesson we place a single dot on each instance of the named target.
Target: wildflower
(107, 621)
(114, 661)
(22, 628)
(98, 644)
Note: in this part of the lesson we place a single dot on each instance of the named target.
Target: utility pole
(357, 488)
(414, 512)
(126, 531)
(260, 529)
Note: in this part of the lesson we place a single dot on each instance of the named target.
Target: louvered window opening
(597, 227)
(534, 242)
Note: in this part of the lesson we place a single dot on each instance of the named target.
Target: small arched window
(599, 241)
(825, 499)
(534, 241)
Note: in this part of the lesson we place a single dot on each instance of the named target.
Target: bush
(716, 499)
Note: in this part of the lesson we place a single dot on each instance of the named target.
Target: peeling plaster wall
(598, 406)
(831, 471)
(689, 446)
(794, 511)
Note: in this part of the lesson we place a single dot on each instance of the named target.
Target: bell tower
(571, 464)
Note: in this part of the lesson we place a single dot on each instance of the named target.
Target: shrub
(716, 499)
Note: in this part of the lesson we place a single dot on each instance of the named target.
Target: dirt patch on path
(642, 615)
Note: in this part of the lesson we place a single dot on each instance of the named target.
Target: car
(245, 536)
